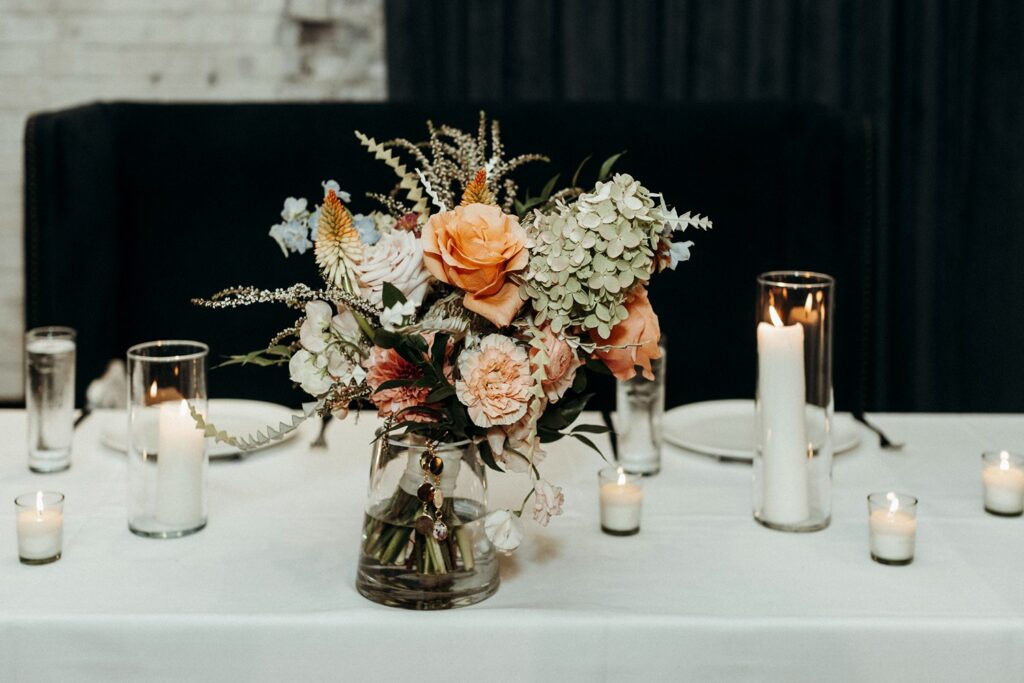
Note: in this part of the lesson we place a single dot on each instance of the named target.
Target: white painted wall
(58, 53)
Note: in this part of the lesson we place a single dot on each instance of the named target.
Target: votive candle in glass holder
(892, 526)
(167, 459)
(1002, 474)
(639, 408)
(622, 497)
(40, 520)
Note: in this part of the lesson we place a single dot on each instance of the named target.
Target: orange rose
(474, 248)
(640, 328)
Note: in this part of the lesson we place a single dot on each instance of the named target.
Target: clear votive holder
(40, 520)
(793, 460)
(639, 408)
(1002, 474)
(167, 459)
(622, 497)
(50, 397)
(892, 527)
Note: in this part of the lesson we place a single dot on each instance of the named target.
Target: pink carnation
(384, 365)
(561, 367)
(496, 386)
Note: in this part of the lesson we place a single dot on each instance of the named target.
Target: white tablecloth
(266, 591)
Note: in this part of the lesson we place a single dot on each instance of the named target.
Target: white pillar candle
(892, 533)
(179, 458)
(40, 532)
(1004, 486)
(782, 396)
(621, 502)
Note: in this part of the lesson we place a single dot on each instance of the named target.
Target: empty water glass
(639, 407)
(50, 397)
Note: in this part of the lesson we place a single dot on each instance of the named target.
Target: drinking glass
(639, 408)
(50, 397)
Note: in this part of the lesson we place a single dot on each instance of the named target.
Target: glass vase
(423, 544)
(639, 408)
(793, 460)
(167, 459)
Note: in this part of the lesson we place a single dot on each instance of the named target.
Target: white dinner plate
(237, 417)
(726, 429)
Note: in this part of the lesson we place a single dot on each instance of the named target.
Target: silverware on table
(86, 412)
(883, 440)
(321, 441)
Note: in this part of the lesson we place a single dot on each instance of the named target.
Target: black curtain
(942, 82)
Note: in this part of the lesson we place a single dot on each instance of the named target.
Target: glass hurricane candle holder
(50, 397)
(622, 497)
(892, 527)
(40, 521)
(1002, 475)
(793, 460)
(639, 408)
(167, 460)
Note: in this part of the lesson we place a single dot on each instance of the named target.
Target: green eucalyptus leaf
(440, 394)
(590, 443)
(545, 194)
(392, 384)
(579, 169)
(487, 456)
(591, 429)
(606, 167)
(391, 295)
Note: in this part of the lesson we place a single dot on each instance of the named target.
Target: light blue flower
(291, 237)
(314, 223)
(367, 228)
(333, 185)
(679, 251)
(294, 209)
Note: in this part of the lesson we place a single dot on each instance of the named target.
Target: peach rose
(641, 332)
(562, 364)
(474, 248)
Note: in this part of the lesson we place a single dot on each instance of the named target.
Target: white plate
(725, 429)
(235, 416)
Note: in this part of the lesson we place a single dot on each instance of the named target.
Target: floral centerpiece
(464, 314)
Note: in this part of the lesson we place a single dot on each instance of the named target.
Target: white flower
(504, 529)
(547, 501)
(396, 315)
(679, 251)
(344, 324)
(329, 185)
(310, 372)
(294, 210)
(313, 334)
(396, 258)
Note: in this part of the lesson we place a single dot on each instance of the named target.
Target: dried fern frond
(338, 247)
(407, 179)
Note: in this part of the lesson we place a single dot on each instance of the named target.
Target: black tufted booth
(131, 209)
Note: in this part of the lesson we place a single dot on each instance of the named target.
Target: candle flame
(622, 477)
(894, 502)
(809, 303)
(1004, 460)
(152, 389)
(774, 315)
(39, 503)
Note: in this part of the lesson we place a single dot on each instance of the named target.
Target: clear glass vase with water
(407, 560)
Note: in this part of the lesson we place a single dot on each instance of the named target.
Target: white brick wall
(57, 53)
